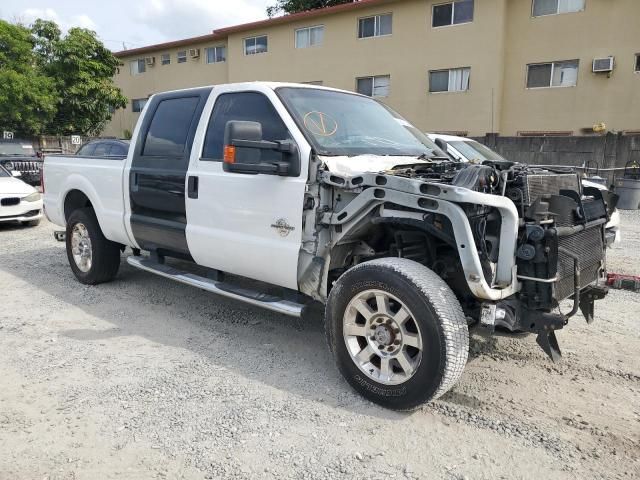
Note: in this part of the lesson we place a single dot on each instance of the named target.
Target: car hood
(14, 186)
(367, 163)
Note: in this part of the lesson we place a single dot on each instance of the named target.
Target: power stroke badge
(282, 227)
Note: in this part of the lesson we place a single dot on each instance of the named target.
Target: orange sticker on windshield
(320, 124)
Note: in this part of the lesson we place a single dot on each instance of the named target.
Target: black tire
(31, 223)
(105, 253)
(435, 310)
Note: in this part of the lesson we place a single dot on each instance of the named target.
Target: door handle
(134, 182)
(192, 187)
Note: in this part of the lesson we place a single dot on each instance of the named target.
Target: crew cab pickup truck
(329, 196)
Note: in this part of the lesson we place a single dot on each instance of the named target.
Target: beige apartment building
(515, 67)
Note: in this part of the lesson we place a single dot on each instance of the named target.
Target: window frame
(133, 100)
(453, 14)
(162, 59)
(308, 29)
(376, 25)
(553, 67)
(254, 38)
(373, 85)
(636, 65)
(215, 54)
(558, 12)
(181, 58)
(139, 61)
(448, 70)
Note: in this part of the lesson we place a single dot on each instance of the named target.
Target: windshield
(25, 149)
(339, 123)
(474, 151)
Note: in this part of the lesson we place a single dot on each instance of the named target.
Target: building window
(137, 104)
(310, 36)
(254, 45)
(553, 74)
(216, 54)
(452, 13)
(451, 80)
(165, 59)
(374, 86)
(182, 56)
(376, 26)
(137, 66)
(637, 62)
(553, 7)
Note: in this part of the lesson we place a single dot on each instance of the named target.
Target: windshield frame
(437, 153)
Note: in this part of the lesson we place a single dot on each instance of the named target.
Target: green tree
(27, 96)
(294, 6)
(83, 69)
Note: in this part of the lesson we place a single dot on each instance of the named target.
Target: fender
(111, 221)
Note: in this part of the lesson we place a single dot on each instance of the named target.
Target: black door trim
(157, 183)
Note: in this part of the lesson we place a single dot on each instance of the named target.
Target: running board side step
(252, 297)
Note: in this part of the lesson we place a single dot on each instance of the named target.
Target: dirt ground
(145, 378)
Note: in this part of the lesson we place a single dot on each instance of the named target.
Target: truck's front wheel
(93, 258)
(397, 332)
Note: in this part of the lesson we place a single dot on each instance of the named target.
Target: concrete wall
(603, 151)
(502, 39)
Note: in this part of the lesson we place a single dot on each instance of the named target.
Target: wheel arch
(74, 200)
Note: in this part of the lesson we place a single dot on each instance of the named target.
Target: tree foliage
(27, 96)
(295, 6)
(53, 83)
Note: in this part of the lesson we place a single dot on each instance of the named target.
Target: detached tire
(397, 332)
(93, 258)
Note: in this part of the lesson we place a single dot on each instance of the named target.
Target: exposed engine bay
(553, 242)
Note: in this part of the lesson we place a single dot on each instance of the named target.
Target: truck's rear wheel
(93, 258)
(397, 332)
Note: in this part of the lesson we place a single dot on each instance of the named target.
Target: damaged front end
(560, 254)
(512, 241)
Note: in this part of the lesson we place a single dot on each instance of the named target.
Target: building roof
(223, 33)
(166, 45)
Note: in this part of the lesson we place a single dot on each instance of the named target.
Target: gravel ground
(145, 378)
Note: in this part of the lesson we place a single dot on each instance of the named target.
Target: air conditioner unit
(603, 65)
(150, 61)
(194, 52)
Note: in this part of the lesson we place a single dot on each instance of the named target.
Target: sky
(136, 23)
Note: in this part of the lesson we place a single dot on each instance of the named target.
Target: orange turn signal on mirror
(229, 154)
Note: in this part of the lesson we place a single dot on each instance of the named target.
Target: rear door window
(170, 125)
(243, 106)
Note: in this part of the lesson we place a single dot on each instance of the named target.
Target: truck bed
(101, 180)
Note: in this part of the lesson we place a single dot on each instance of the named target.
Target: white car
(465, 149)
(19, 202)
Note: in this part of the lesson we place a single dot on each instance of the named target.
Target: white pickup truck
(333, 197)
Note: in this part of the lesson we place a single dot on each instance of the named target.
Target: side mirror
(15, 173)
(243, 147)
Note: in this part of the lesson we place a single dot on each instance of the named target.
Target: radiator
(537, 185)
(588, 246)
